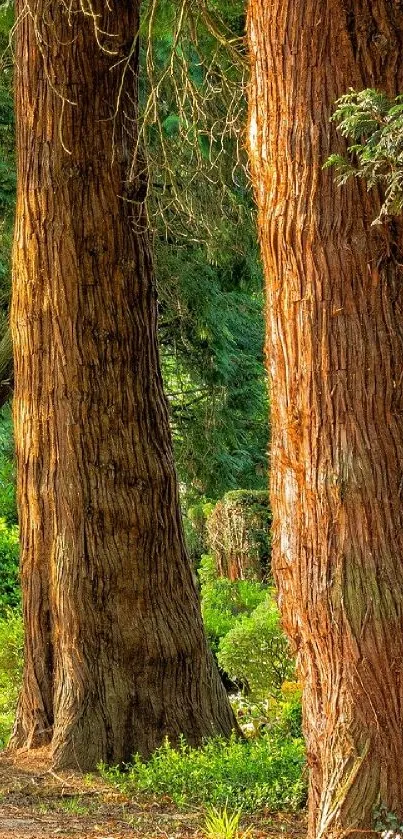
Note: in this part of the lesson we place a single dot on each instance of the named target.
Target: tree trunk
(335, 354)
(115, 653)
(238, 535)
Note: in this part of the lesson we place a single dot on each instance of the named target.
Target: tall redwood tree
(115, 653)
(335, 353)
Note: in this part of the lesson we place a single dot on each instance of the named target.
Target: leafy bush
(290, 718)
(251, 774)
(224, 602)
(11, 647)
(9, 573)
(256, 653)
(281, 714)
(194, 520)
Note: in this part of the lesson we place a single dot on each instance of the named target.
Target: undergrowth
(267, 772)
(11, 643)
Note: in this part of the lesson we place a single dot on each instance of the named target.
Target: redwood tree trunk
(335, 354)
(115, 653)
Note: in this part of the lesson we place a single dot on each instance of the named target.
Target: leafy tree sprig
(374, 123)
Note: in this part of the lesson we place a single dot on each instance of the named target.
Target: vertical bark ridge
(131, 664)
(335, 354)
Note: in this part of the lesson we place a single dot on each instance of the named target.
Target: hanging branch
(192, 118)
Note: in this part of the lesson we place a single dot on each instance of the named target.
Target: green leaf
(171, 125)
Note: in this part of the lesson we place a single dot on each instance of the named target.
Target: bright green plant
(221, 824)
(75, 806)
(9, 571)
(290, 717)
(224, 602)
(11, 647)
(256, 653)
(374, 124)
(248, 774)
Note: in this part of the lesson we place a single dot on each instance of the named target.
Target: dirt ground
(36, 803)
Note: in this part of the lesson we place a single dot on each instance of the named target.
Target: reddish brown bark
(115, 653)
(335, 352)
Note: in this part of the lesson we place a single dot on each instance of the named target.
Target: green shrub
(256, 653)
(225, 602)
(291, 717)
(281, 714)
(9, 572)
(195, 520)
(11, 647)
(251, 774)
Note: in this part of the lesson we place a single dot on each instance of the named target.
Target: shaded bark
(115, 653)
(335, 355)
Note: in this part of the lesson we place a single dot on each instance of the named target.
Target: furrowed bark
(115, 654)
(335, 355)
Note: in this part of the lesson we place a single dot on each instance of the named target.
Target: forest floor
(36, 803)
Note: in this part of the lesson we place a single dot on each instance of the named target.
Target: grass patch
(252, 774)
(11, 644)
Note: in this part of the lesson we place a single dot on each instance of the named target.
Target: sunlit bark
(335, 354)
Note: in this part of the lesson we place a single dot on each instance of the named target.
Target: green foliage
(281, 714)
(207, 263)
(256, 653)
(6, 21)
(243, 627)
(7, 186)
(9, 574)
(8, 505)
(386, 823)
(225, 602)
(291, 716)
(211, 338)
(11, 647)
(9, 543)
(265, 772)
(194, 520)
(221, 824)
(374, 123)
(192, 108)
